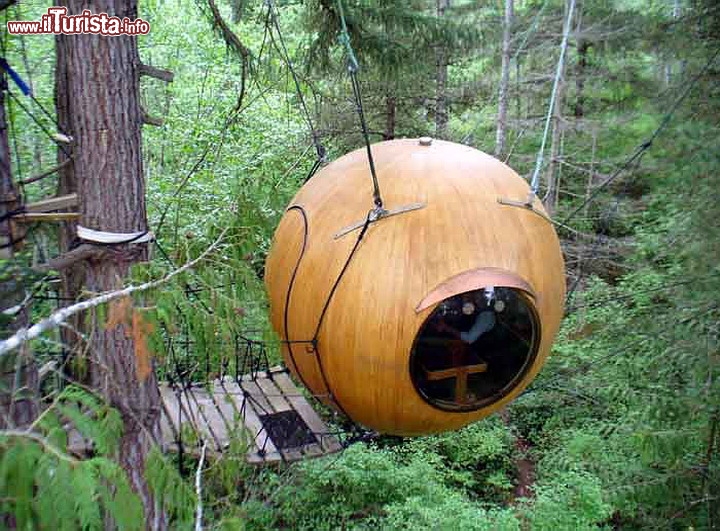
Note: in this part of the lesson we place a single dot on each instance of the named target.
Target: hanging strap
(353, 67)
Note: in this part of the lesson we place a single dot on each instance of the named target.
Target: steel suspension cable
(535, 181)
(353, 68)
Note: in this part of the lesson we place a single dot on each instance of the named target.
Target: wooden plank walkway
(277, 419)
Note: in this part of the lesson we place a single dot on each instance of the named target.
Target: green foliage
(477, 459)
(632, 387)
(393, 36)
(449, 511)
(622, 422)
(396, 486)
(170, 490)
(352, 486)
(45, 487)
(569, 501)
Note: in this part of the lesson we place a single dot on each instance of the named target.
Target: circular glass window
(474, 348)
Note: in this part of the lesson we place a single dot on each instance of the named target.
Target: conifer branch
(47, 445)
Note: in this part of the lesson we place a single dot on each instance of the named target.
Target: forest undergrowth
(620, 428)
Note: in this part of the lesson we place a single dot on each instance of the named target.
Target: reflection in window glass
(474, 348)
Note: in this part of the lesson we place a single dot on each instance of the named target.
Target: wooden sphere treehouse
(426, 316)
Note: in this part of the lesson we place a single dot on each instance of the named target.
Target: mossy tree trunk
(18, 372)
(98, 104)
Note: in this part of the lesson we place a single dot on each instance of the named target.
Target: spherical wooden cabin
(445, 311)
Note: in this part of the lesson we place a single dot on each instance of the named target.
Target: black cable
(289, 291)
(377, 199)
(319, 148)
(642, 148)
(38, 123)
(327, 305)
(313, 170)
(12, 213)
(353, 67)
(342, 273)
(188, 287)
(18, 165)
(11, 242)
(46, 113)
(333, 289)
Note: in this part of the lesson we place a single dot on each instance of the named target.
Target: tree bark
(441, 69)
(551, 175)
(504, 81)
(671, 62)
(9, 199)
(582, 47)
(18, 373)
(390, 116)
(238, 6)
(97, 100)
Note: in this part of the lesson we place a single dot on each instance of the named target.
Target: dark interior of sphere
(474, 348)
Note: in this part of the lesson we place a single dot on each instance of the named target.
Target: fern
(50, 424)
(46, 488)
(15, 481)
(169, 488)
(116, 495)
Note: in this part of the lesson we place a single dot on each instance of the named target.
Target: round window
(474, 348)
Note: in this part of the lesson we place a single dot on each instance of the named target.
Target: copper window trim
(474, 279)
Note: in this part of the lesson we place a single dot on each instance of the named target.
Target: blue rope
(24, 87)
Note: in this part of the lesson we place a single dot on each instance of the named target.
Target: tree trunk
(97, 99)
(18, 372)
(504, 81)
(518, 93)
(441, 69)
(670, 62)
(390, 116)
(238, 6)
(582, 47)
(551, 175)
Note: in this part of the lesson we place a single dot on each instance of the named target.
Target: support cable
(314, 341)
(353, 68)
(535, 181)
(282, 49)
(58, 139)
(642, 148)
